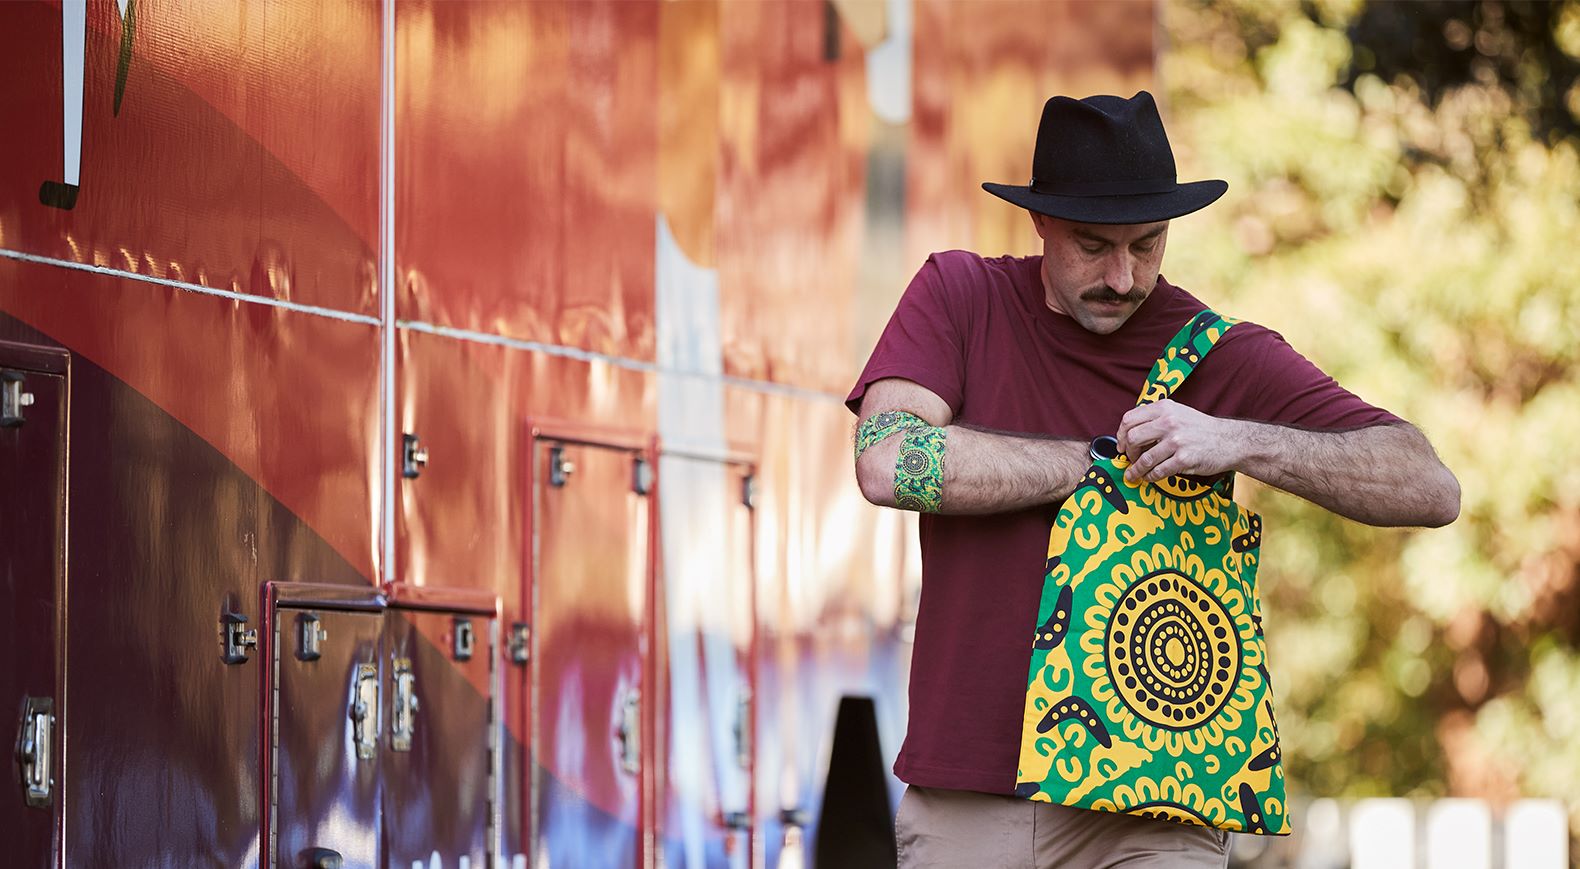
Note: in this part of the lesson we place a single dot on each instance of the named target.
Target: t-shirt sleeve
(924, 341)
(1288, 389)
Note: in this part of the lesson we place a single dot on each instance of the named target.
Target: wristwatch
(1105, 447)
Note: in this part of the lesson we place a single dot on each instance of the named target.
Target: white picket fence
(1411, 834)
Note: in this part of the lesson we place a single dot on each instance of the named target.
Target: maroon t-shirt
(978, 332)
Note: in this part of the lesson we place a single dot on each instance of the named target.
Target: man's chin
(1104, 319)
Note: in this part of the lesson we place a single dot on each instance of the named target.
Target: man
(993, 376)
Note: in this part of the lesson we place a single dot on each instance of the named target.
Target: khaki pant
(949, 829)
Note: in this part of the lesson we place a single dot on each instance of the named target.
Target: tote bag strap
(1183, 354)
(1179, 359)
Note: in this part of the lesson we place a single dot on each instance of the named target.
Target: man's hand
(1165, 439)
(1380, 475)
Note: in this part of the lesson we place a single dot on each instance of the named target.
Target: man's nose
(1117, 274)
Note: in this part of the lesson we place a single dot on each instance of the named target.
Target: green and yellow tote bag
(1148, 691)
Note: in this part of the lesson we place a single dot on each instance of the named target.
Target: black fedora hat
(1106, 159)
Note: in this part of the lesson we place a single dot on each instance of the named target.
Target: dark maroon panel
(435, 794)
(327, 791)
(250, 380)
(515, 780)
(166, 534)
(31, 466)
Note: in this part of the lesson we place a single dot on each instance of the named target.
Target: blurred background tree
(1403, 207)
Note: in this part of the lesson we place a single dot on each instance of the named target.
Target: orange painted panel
(466, 403)
(247, 378)
(793, 129)
(462, 523)
(982, 72)
(228, 145)
(688, 68)
(526, 170)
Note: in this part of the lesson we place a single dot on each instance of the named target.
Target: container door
(330, 720)
(436, 764)
(706, 535)
(590, 627)
(32, 479)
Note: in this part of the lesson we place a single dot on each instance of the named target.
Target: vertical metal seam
(273, 772)
(531, 834)
(387, 290)
(63, 597)
(496, 693)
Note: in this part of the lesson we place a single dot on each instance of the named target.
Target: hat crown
(1106, 159)
(1102, 145)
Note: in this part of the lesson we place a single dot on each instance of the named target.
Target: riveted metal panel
(32, 595)
(540, 227)
(228, 145)
(708, 587)
(591, 632)
(325, 784)
(436, 790)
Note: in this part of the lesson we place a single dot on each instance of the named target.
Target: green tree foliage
(1404, 206)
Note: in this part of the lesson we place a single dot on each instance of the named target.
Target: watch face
(1105, 447)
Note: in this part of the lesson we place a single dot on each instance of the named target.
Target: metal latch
(403, 712)
(12, 399)
(414, 456)
(322, 858)
(520, 643)
(629, 733)
(236, 638)
(560, 468)
(365, 711)
(743, 728)
(794, 816)
(641, 476)
(34, 740)
(310, 635)
(465, 639)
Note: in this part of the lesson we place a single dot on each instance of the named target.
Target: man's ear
(1042, 223)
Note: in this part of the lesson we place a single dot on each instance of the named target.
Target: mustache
(1104, 294)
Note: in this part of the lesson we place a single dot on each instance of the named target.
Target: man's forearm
(1382, 475)
(984, 472)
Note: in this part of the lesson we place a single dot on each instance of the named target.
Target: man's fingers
(1165, 469)
(1134, 417)
(1137, 415)
(1136, 439)
(1150, 459)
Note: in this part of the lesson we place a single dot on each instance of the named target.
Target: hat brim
(1138, 208)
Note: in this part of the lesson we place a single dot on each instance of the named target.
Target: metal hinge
(12, 399)
(236, 638)
(403, 717)
(34, 743)
(749, 491)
